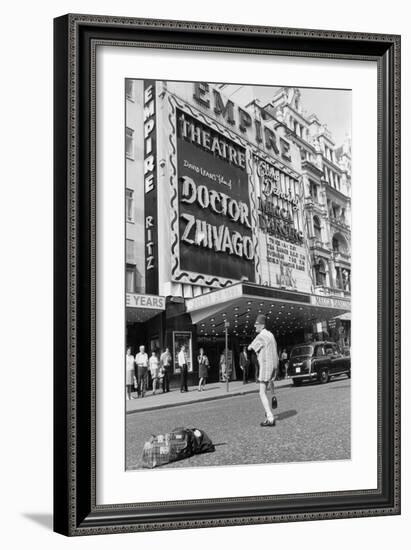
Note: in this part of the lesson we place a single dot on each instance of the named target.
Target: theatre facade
(217, 225)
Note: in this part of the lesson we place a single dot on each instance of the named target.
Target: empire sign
(241, 119)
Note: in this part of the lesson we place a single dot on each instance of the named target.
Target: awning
(142, 307)
(239, 304)
(344, 316)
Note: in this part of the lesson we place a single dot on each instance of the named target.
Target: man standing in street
(182, 363)
(165, 363)
(265, 346)
(142, 371)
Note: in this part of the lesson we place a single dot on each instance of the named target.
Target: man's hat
(261, 319)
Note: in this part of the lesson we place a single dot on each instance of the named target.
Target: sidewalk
(174, 398)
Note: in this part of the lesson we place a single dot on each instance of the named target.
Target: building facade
(233, 208)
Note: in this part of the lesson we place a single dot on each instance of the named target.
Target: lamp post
(226, 326)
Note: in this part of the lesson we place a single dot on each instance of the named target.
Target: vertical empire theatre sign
(150, 187)
(235, 209)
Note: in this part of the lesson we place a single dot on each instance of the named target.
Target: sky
(332, 107)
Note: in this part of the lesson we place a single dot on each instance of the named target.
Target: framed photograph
(227, 275)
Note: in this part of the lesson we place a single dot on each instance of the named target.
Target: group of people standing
(258, 360)
(142, 367)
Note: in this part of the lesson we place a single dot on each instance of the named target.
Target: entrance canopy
(142, 307)
(239, 304)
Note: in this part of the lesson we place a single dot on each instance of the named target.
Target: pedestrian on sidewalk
(182, 363)
(265, 346)
(154, 368)
(142, 371)
(129, 373)
(165, 366)
(254, 366)
(203, 365)
(283, 365)
(244, 364)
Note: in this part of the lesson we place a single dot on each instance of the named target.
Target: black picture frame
(75, 41)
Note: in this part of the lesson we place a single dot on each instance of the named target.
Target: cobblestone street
(313, 423)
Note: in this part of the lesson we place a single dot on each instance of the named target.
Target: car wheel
(297, 382)
(323, 376)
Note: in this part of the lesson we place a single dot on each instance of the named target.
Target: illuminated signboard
(280, 230)
(215, 230)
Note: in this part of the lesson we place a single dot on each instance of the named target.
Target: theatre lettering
(199, 135)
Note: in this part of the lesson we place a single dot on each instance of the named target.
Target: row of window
(329, 153)
(339, 243)
(332, 178)
(341, 279)
(298, 128)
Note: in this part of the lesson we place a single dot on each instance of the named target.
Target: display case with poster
(183, 338)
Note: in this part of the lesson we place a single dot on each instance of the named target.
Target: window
(130, 89)
(130, 143)
(313, 190)
(338, 278)
(130, 205)
(130, 280)
(320, 273)
(301, 350)
(130, 251)
(319, 352)
(317, 227)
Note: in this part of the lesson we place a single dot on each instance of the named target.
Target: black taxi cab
(317, 361)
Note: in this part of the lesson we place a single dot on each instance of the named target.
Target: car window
(319, 352)
(329, 350)
(301, 350)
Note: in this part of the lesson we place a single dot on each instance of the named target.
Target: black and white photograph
(237, 275)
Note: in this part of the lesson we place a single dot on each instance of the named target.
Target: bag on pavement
(178, 444)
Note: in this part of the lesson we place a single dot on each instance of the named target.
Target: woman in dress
(203, 365)
(154, 366)
(129, 373)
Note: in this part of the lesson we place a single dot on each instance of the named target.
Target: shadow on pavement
(286, 414)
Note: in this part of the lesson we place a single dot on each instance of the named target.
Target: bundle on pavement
(178, 444)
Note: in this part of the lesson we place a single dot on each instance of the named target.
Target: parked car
(317, 361)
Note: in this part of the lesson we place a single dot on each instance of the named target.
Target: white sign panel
(145, 301)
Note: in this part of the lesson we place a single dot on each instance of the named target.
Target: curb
(202, 400)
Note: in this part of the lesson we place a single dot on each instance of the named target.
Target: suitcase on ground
(178, 444)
